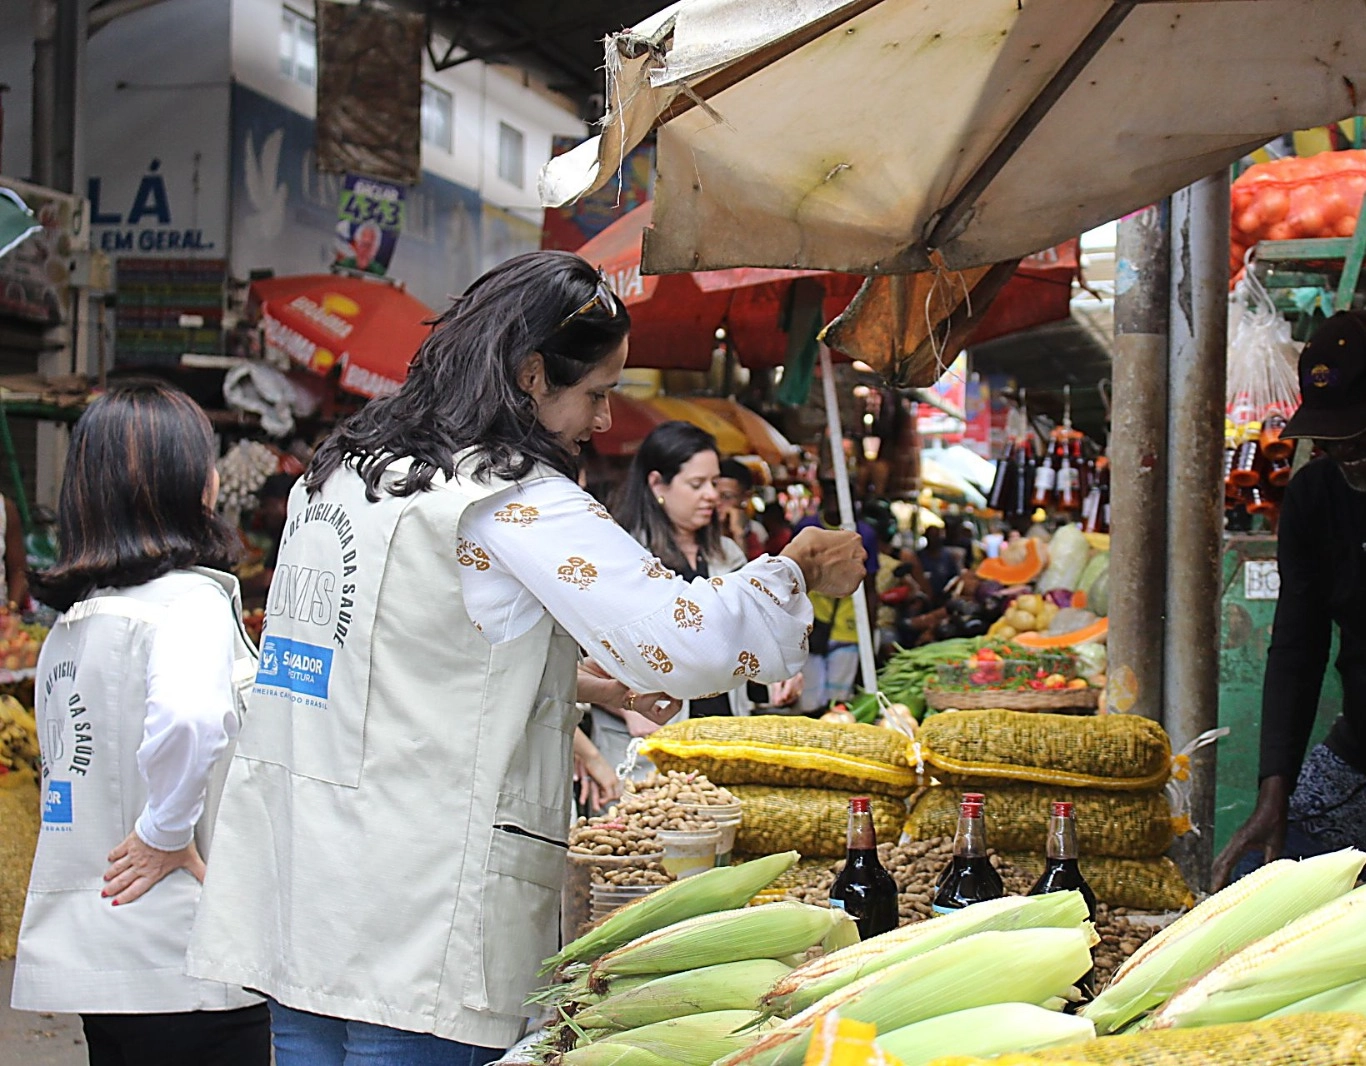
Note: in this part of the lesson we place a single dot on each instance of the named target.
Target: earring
(659, 500)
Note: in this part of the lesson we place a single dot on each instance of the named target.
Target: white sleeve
(645, 625)
(191, 715)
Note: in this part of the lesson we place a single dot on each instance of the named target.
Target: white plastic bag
(1261, 355)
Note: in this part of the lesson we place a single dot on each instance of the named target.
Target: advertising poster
(369, 220)
(569, 228)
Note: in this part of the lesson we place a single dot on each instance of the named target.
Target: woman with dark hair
(669, 501)
(139, 696)
(392, 841)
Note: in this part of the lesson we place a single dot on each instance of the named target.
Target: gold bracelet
(630, 700)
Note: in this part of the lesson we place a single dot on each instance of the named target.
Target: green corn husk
(1313, 954)
(1223, 924)
(986, 1031)
(770, 931)
(721, 889)
(604, 1054)
(1021, 965)
(819, 978)
(1350, 997)
(697, 1040)
(729, 986)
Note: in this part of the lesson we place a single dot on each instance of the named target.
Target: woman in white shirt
(668, 502)
(138, 701)
(391, 845)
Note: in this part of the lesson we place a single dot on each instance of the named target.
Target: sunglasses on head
(603, 299)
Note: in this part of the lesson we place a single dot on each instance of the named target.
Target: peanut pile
(660, 803)
(649, 874)
(916, 866)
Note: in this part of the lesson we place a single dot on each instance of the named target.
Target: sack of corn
(1139, 884)
(787, 751)
(1115, 752)
(813, 821)
(1265, 901)
(1301, 1040)
(1131, 825)
(991, 1030)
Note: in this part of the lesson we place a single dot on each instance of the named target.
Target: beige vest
(390, 847)
(76, 952)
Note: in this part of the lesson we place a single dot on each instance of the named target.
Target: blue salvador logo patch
(295, 666)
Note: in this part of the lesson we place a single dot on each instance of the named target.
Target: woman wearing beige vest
(392, 838)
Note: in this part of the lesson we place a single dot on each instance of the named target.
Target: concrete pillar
(1138, 464)
(1195, 508)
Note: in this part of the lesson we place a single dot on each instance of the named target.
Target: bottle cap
(860, 805)
(971, 810)
(1062, 809)
(974, 797)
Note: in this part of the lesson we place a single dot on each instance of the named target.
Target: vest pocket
(520, 922)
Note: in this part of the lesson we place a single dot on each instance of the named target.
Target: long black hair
(462, 392)
(665, 451)
(132, 502)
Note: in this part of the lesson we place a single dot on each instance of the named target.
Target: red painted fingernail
(104, 895)
(114, 904)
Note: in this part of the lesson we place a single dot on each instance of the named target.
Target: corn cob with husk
(1304, 1040)
(766, 932)
(721, 889)
(1024, 965)
(696, 1040)
(820, 977)
(576, 992)
(1226, 922)
(729, 986)
(1312, 954)
(1347, 997)
(990, 1030)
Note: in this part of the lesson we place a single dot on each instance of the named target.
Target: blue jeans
(303, 1039)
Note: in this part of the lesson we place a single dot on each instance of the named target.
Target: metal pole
(832, 417)
(1138, 464)
(1199, 338)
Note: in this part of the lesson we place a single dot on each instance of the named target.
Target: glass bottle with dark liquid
(970, 877)
(1063, 872)
(864, 889)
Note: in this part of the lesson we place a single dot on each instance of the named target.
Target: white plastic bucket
(688, 853)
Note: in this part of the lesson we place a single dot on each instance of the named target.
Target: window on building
(511, 155)
(299, 48)
(437, 117)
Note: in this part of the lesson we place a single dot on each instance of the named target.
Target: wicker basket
(1053, 701)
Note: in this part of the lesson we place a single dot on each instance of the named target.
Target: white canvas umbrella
(867, 135)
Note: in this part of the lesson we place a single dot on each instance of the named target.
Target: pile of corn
(1111, 768)
(1255, 974)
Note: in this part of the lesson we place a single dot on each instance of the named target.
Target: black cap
(1332, 381)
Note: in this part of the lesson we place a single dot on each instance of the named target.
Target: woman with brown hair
(139, 696)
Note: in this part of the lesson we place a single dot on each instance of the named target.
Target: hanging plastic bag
(1261, 356)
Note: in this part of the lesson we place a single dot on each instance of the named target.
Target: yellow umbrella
(764, 438)
(728, 439)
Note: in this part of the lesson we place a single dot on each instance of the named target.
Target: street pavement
(28, 1039)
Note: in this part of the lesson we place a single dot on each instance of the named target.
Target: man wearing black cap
(1306, 806)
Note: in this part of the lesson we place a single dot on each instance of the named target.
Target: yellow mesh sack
(1125, 824)
(1138, 884)
(1295, 1040)
(1116, 752)
(788, 751)
(20, 813)
(813, 821)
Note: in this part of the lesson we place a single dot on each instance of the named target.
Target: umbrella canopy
(729, 439)
(324, 321)
(765, 440)
(674, 318)
(632, 421)
(890, 136)
(946, 484)
(17, 222)
(964, 462)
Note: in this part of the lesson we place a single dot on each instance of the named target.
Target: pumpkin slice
(1021, 573)
(1096, 631)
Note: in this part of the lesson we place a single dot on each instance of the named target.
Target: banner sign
(369, 220)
